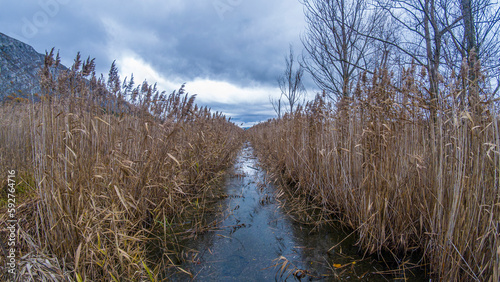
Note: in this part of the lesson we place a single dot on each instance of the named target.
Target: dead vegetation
(406, 182)
(108, 166)
(285, 269)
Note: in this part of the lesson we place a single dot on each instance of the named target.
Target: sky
(228, 52)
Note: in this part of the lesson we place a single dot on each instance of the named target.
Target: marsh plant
(107, 163)
(406, 180)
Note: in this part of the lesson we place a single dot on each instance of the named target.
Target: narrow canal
(255, 240)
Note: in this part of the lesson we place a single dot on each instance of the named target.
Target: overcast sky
(229, 52)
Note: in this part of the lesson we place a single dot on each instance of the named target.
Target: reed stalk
(407, 184)
(106, 171)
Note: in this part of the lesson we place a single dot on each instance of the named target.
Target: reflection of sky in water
(256, 232)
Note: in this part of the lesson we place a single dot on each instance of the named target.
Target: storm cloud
(228, 52)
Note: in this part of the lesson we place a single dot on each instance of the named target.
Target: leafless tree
(426, 26)
(439, 35)
(290, 82)
(337, 50)
(478, 31)
(480, 37)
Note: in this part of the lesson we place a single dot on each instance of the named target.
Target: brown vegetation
(105, 174)
(381, 164)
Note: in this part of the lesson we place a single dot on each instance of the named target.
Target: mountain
(19, 66)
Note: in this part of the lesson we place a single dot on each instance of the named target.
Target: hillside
(19, 65)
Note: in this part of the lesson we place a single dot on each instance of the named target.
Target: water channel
(256, 240)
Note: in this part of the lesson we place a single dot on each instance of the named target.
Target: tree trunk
(471, 53)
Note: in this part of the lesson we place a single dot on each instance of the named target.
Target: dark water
(254, 240)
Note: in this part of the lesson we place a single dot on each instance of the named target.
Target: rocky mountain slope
(19, 65)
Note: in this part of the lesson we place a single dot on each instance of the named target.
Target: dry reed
(405, 182)
(107, 171)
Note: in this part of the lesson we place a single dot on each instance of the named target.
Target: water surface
(255, 240)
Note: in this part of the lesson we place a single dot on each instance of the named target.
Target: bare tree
(479, 31)
(487, 27)
(336, 49)
(439, 35)
(480, 40)
(290, 82)
(426, 25)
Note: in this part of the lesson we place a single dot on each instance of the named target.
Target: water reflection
(254, 234)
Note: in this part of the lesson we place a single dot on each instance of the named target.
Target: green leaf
(150, 274)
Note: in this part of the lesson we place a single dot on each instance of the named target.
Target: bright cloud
(132, 64)
(224, 92)
(207, 90)
(221, 96)
(230, 58)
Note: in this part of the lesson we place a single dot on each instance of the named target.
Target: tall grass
(403, 181)
(107, 171)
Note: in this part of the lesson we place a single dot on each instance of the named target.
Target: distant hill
(19, 66)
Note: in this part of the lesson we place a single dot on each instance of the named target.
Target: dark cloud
(240, 42)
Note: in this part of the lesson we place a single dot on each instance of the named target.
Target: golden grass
(406, 183)
(107, 172)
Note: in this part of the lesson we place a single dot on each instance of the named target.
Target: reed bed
(108, 166)
(405, 182)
